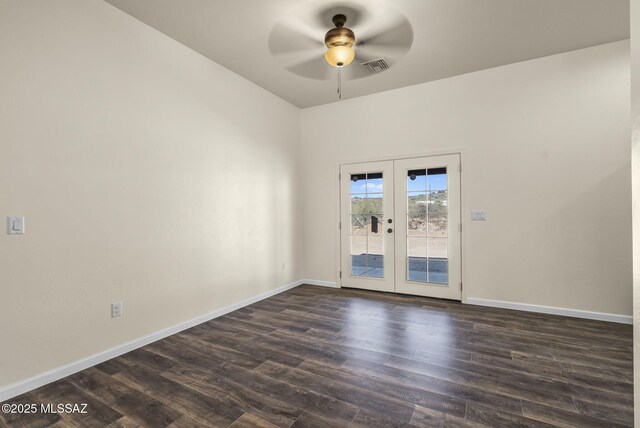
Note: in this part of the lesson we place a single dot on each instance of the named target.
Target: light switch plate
(477, 215)
(15, 225)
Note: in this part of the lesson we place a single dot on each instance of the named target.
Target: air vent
(376, 66)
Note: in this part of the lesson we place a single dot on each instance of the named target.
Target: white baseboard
(576, 313)
(69, 369)
(330, 284)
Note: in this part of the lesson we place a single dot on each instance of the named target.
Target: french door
(400, 226)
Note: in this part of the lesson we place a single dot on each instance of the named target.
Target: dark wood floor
(325, 357)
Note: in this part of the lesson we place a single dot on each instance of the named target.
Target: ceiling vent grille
(376, 66)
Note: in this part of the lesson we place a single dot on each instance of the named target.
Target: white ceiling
(450, 37)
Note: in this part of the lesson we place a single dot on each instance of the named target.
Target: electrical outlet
(116, 309)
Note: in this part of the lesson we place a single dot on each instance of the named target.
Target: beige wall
(545, 151)
(635, 160)
(147, 174)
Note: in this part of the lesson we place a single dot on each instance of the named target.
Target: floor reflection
(401, 329)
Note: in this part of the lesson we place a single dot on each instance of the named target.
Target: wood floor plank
(311, 420)
(36, 419)
(270, 321)
(147, 359)
(427, 418)
(604, 412)
(223, 327)
(98, 414)
(367, 418)
(250, 400)
(495, 418)
(221, 330)
(462, 391)
(201, 354)
(209, 349)
(336, 351)
(323, 357)
(210, 409)
(113, 366)
(507, 382)
(608, 345)
(304, 398)
(343, 391)
(251, 421)
(415, 395)
(394, 343)
(187, 421)
(562, 418)
(124, 422)
(300, 322)
(248, 347)
(239, 324)
(138, 407)
(551, 369)
(455, 422)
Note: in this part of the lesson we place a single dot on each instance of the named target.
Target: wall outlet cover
(116, 309)
(478, 215)
(15, 225)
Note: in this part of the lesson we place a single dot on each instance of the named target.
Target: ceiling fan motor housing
(341, 35)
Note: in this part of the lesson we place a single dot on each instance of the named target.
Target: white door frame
(463, 207)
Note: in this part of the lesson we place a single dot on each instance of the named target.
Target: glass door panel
(366, 207)
(425, 243)
(427, 220)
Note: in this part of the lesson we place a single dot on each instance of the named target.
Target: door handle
(389, 230)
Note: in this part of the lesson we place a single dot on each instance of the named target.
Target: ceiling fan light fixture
(339, 56)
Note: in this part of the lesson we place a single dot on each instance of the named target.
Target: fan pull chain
(339, 83)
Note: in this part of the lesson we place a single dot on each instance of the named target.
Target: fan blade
(315, 68)
(354, 71)
(290, 60)
(292, 37)
(296, 50)
(395, 38)
(371, 52)
(363, 54)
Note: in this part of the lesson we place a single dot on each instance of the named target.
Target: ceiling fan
(339, 42)
(383, 34)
